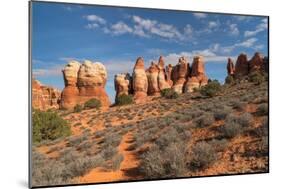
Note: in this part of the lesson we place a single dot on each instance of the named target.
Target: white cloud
(247, 43)
(233, 29)
(121, 28)
(147, 27)
(47, 72)
(95, 18)
(200, 15)
(92, 26)
(262, 26)
(208, 55)
(243, 18)
(213, 24)
(188, 30)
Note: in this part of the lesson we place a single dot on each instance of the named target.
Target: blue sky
(117, 36)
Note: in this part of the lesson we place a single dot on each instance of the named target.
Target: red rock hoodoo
(230, 67)
(180, 73)
(198, 77)
(140, 82)
(241, 66)
(84, 82)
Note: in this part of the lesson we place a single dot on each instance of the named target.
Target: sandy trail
(127, 171)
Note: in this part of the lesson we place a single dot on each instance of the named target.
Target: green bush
(169, 94)
(211, 89)
(48, 126)
(92, 103)
(256, 77)
(77, 108)
(124, 100)
(229, 80)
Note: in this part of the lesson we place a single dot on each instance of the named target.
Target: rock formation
(169, 69)
(198, 76)
(140, 83)
(70, 93)
(241, 66)
(122, 84)
(179, 75)
(83, 82)
(152, 77)
(162, 76)
(230, 67)
(44, 97)
(256, 63)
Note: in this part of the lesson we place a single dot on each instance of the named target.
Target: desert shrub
(170, 136)
(196, 113)
(264, 145)
(205, 120)
(256, 77)
(81, 165)
(116, 162)
(218, 145)
(202, 155)
(238, 105)
(76, 140)
(221, 113)
(245, 119)
(112, 139)
(171, 162)
(263, 129)
(92, 104)
(169, 94)
(235, 125)
(77, 108)
(57, 172)
(108, 152)
(124, 100)
(229, 80)
(262, 109)
(48, 126)
(211, 89)
(231, 129)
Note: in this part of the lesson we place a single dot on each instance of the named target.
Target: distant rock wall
(244, 67)
(44, 97)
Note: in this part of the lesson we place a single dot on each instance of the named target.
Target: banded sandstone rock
(140, 82)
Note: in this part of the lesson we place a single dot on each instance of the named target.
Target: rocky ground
(184, 137)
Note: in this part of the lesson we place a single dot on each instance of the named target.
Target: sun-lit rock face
(162, 76)
(169, 69)
(241, 66)
(140, 82)
(83, 82)
(44, 97)
(198, 77)
(92, 74)
(179, 74)
(152, 78)
(256, 63)
(230, 67)
(70, 73)
(122, 84)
